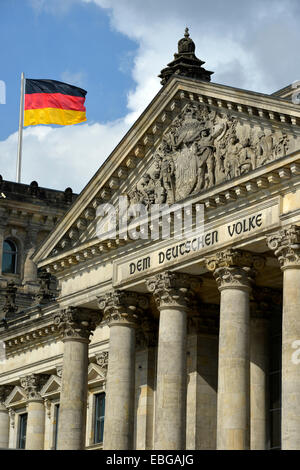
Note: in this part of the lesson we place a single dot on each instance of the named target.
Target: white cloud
(249, 45)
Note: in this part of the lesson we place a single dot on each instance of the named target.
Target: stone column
(286, 244)
(233, 271)
(76, 325)
(145, 374)
(259, 369)
(35, 433)
(121, 311)
(4, 416)
(172, 293)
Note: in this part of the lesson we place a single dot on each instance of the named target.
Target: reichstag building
(142, 342)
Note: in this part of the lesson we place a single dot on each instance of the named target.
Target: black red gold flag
(53, 102)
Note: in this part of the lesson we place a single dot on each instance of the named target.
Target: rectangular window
(99, 417)
(56, 417)
(22, 431)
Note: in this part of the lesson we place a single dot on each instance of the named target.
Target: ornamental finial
(186, 33)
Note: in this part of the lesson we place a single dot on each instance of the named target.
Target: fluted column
(286, 244)
(76, 325)
(4, 416)
(233, 273)
(121, 311)
(35, 433)
(172, 293)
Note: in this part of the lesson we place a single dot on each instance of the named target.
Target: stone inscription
(176, 251)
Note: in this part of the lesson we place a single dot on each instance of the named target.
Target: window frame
(22, 438)
(98, 421)
(14, 253)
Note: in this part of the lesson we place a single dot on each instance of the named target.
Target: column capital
(32, 385)
(234, 269)
(122, 307)
(286, 245)
(76, 323)
(171, 289)
(5, 390)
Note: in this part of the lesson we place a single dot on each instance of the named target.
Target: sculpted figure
(232, 168)
(246, 158)
(264, 148)
(147, 190)
(206, 163)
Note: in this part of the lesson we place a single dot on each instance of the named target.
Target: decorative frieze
(286, 245)
(173, 289)
(76, 323)
(122, 307)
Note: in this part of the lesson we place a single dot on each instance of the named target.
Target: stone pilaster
(233, 271)
(286, 245)
(76, 325)
(32, 385)
(173, 293)
(4, 416)
(30, 269)
(121, 312)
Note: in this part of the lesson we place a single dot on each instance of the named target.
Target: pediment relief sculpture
(204, 148)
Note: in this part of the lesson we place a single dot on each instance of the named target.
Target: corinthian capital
(234, 268)
(173, 289)
(33, 384)
(76, 323)
(286, 245)
(122, 307)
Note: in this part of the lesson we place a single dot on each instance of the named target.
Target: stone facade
(180, 333)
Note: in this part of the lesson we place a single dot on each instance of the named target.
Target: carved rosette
(5, 390)
(171, 289)
(122, 307)
(76, 323)
(32, 385)
(234, 269)
(286, 245)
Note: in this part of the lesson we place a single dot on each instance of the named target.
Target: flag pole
(21, 121)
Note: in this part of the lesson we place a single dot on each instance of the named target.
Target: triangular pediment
(52, 386)
(192, 137)
(16, 397)
(95, 374)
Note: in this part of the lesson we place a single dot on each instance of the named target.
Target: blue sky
(115, 50)
(77, 47)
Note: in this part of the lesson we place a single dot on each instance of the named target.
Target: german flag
(53, 102)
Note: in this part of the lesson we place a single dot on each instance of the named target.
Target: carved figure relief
(204, 148)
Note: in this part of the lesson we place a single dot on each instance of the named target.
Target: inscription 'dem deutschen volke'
(209, 239)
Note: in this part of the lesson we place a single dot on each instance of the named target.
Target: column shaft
(233, 413)
(259, 368)
(4, 427)
(73, 397)
(170, 412)
(35, 425)
(118, 429)
(291, 360)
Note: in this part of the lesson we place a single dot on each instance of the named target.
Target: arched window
(9, 258)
